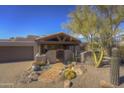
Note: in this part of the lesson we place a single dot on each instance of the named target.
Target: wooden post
(75, 56)
(39, 49)
(115, 66)
(35, 49)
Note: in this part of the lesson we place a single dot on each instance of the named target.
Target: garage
(18, 51)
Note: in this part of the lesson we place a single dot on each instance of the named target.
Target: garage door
(16, 53)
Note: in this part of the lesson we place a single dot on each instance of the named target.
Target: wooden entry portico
(58, 41)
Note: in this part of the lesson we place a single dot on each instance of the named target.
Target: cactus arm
(100, 59)
(95, 59)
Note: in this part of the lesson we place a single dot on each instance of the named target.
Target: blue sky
(36, 20)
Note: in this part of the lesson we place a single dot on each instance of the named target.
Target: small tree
(98, 25)
(111, 18)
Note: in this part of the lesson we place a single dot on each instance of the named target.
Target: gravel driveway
(9, 72)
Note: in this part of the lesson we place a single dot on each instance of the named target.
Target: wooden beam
(71, 38)
(64, 39)
(58, 37)
(58, 34)
(58, 42)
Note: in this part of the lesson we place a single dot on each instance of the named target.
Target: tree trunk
(109, 51)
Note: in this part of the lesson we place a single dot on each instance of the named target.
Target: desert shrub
(69, 74)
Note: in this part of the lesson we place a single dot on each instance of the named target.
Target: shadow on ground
(121, 80)
(16, 61)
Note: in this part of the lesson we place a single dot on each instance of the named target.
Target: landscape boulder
(36, 68)
(74, 63)
(105, 84)
(67, 84)
(37, 57)
(78, 71)
(23, 78)
(33, 76)
(41, 59)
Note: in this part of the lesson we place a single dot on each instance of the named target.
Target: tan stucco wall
(16, 53)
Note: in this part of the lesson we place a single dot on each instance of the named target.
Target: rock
(40, 60)
(84, 70)
(36, 68)
(38, 57)
(104, 84)
(105, 63)
(61, 72)
(70, 66)
(38, 72)
(74, 63)
(78, 71)
(24, 78)
(67, 84)
(33, 76)
(45, 67)
(107, 58)
(28, 76)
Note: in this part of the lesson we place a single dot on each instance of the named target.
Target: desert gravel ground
(9, 73)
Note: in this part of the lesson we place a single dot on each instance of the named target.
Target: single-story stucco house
(19, 50)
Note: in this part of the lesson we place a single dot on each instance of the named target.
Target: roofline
(49, 35)
(58, 34)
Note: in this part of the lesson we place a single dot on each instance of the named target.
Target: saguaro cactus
(115, 66)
